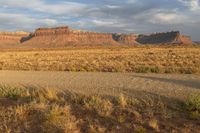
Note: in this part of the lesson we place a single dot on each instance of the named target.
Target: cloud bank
(129, 16)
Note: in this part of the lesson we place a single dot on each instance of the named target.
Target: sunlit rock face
(126, 39)
(11, 39)
(64, 36)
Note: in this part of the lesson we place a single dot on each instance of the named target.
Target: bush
(156, 70)
(59, 120)
(13, 92)
(122, 101)
(193, 106)
(102, 106)
(170, 70)
(142, 69)
(140, 129)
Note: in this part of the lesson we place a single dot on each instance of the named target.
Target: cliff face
(11, 39)
(63, 36)
(126, 39)
(182, 39)
(12, 35)
(165, 38)
(51, 31)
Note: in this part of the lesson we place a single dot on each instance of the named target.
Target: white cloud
(20, 3)
(110, 23)
(113, 6)
(107, 15)
(164, 17)
(24, 21)
(103, 23)
(132, 1)
(58, 8)
(63, 8)
(168, 18)
(192, 4)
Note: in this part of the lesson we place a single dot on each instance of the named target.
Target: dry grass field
(56, 111)
(43, 110)
(107, 59)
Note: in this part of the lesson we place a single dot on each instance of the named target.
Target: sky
(124, 16)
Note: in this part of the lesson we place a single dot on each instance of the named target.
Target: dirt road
(166, 85)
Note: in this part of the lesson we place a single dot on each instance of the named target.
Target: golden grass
(62, 112)
(106, 59)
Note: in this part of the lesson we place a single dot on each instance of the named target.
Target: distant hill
(173, 37)
(197, 42)
(64, 36)
(11, 39)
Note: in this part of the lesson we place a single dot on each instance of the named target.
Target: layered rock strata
(173, 37)
(64, 36)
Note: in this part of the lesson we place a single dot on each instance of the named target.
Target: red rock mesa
(173, 37)
(11, 39)
(64, 36)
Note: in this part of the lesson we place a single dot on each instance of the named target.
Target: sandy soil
(165, 85)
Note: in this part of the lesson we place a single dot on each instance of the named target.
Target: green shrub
(140, 129)
(155, 70)
(192, 105)
(13, 92)
(142, 69)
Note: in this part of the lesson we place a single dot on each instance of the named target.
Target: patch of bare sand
(165, 85)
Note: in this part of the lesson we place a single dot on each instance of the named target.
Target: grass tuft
(52, 110)
(102, 106)
(192, 105)
(13, 92)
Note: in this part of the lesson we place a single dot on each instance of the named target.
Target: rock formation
(12, 35)
(51, 31)
(11, 39)
(173, 37)
(64, 36)
(126, 39)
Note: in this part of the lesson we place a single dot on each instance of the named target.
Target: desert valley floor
(143, 89)
(177, 86)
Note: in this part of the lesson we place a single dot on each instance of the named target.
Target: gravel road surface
(177, 86)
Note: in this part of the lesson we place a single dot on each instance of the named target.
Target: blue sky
(127, 16)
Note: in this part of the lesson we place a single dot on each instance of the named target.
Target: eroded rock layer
(51, 31)
(126, 39)
(173, 37)
(11, 39)
(12, 35)
(64, 36)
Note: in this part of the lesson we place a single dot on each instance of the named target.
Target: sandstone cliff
(63, 36)
(173, 37)
(12, 35)
(11, 39)
(126, 39)
(51, 31)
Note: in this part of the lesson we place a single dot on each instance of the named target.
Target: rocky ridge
(64, 36)
(173, 37)
(11, 39)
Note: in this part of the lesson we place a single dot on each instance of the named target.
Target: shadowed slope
(173, 37)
